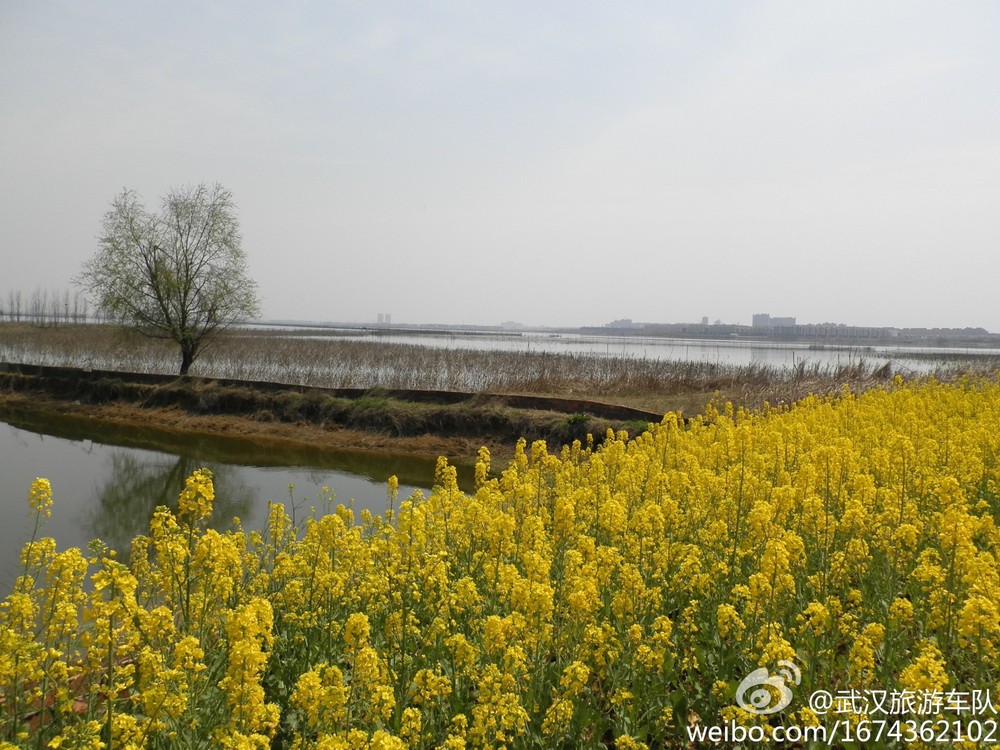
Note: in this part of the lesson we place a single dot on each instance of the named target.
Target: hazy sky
(545, 162)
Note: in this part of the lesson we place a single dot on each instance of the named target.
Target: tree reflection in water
(137, 484)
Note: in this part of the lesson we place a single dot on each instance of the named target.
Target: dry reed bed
(344, 362)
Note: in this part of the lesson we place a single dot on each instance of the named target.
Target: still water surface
(107, 480)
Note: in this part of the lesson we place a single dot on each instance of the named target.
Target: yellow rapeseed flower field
(723, 571)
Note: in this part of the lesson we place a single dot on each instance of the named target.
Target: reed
(344, 361)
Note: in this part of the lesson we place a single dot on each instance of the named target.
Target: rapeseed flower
(40, 497)
(605, 590)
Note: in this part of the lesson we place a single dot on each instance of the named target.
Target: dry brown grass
(346, 362)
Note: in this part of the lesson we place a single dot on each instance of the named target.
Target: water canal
(108, 479)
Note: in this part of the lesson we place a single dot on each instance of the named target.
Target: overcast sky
(545, 162)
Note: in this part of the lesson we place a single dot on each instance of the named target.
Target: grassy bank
(482, 419)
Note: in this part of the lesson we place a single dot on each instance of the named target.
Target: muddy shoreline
(425, 423)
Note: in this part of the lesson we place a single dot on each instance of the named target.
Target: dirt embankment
(426, 422)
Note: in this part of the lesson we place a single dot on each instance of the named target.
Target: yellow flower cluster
(585, 598)
(40, 497)
(195, 502)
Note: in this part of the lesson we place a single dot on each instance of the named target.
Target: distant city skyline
(69, 303)
(385, 319)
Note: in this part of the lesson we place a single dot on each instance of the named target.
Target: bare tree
(63, 309)
(36, 310)
(79, 310)
(179, 275)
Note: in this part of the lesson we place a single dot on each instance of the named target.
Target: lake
(734, 352)
(108, 479)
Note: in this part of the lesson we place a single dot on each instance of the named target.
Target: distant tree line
(43, 307)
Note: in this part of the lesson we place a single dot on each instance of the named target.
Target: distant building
(623, 323)
(764, 320)
(704, 320)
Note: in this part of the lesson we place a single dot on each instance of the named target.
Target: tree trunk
(187, 357)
